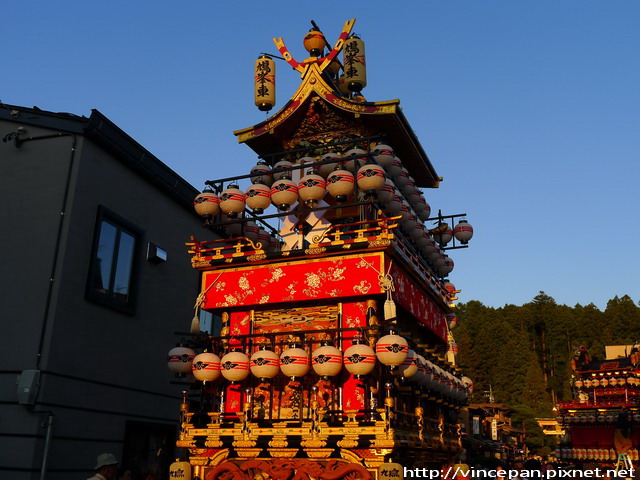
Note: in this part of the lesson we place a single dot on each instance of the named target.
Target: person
(124, 473)
(106, 467)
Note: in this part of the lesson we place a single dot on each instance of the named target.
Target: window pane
(106, 246)
(123, 266)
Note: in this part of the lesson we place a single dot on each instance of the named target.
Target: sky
(528, 109)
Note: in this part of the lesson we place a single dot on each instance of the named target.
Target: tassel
(389, 306)
(195, 324)
(389, 310)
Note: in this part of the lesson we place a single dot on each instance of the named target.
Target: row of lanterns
(592, 418)
(280, 190)
(602, 454)
(607, 382)
(402, 198)
(327, 361)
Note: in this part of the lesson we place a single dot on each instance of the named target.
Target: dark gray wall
(100, 367)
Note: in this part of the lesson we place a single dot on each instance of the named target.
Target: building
(94, 277)
(490, 432)
(334, 258)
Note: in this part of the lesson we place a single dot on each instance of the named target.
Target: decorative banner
(416, 302)
(356, 275)
(354, 391)
(240, 324)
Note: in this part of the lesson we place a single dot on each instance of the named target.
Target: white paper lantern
(294, 362)
(409, 365)
(207, 203)
(326, 360)
(179, 359)
(359, 359)
(392, 349)
(206, 367)
(264, 363)
(234, 366)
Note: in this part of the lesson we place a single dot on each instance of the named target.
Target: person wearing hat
(106, 467)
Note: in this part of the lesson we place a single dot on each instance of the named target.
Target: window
(113, 262)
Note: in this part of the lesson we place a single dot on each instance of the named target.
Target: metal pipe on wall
(47, 443)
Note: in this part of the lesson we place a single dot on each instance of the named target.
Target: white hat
(105, 459)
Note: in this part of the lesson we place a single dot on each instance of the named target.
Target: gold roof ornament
(319, 114)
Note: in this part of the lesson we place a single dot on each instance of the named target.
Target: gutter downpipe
(18, 142)
(47, 443)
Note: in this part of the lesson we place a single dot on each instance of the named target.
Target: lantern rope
(195, 321)
(385, 280)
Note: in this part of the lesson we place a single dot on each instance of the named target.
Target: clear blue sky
(528, 109)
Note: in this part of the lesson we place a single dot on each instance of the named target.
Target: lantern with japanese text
(180, 470)
(355, 70)
(264, 86)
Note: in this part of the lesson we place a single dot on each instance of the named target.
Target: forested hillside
(524, 352)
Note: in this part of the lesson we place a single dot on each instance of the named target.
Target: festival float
(603, 419)
(331, 354)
